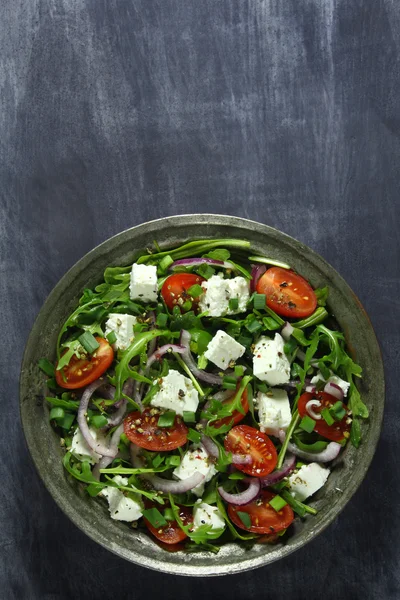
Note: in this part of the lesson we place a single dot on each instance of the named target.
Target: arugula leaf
(68, 404)
(74, 347)
(355, 433)
(194, 248)
(232, 529)
(356, 405)
(299, 507)
(200, 535)
(46, 366)
(219, 254)
(322, 295)
(319, 315)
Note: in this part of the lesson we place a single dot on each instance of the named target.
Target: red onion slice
(309, 408)
(311, 389)
(175, 487)
(107, 460)
(288, 466)
(256, 272)
(190, 362)
(334, 390)
(163, 350)
(194, 262)
(94, 445)
(287, 331)
(245, 497)
(330, 452)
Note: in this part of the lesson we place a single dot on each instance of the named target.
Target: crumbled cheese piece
(273, 411)
(205, 514)
(223, 349)
(307, 480)
(122, 508)
(122, 326)
(218, 292)
(270, 362)
(81, 450)
(344, 385)
(196, 460)
(176, 393)
(143, 284)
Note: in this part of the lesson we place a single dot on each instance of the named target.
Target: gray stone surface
(116, 112)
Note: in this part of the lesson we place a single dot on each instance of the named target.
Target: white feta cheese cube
(122, 326)
(143, 284)
(176, 393)
(218, 292)
(196, 460)
(344, 385)
(270, 362)
(222, 349)
(307, 480)
(122, 508)
(205, 514)
(81, 450)
(273, 411)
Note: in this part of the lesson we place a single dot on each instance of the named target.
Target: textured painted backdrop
(114, 112)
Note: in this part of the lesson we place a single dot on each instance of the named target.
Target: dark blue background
(115, 112)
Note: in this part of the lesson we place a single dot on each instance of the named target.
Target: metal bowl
(91, 515)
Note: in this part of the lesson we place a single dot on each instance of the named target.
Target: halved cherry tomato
(287, 293)
(335, 432)
(264, 518)
(170, 533)
(174, 289)
(142, 430)
(81, 371)
(247, 440)
(236, 415)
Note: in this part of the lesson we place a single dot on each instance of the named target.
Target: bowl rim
(157, 564)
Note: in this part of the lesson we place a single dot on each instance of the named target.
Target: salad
(202, 393)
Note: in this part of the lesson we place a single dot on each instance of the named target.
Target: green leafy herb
(322, 295)
(298, 507)
(205, 271)
(194, 436)
(319, 315)
(89, 342)
(112, 337)
(46, 366)
(245, 518)
(307, 424)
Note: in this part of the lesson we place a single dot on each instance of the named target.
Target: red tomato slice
(236, 415)
(246, 440)
(81, 371)
(287, 293)
(170, 533)
(174, 289)
(264, 519)
(142, 430)
(335, 432)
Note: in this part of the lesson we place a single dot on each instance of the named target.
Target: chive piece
(186, 305)
(229, 383)
(338, 411)
(89, 342)
(173, 461)
(239, 371)
(307, 424)
(298, 507)
(112, 337)
(189, 416)
(326, 415)
(233, 303)
(157, 460)
(253, 326)
(46, 366)
(245, 518)
(194, 436)
(56, 413)
(259, 301)
(67, 421)
(176, 311)
(202, 361)
(161, 320)
(99, 421)
(237, 475)
(195, 290)
(167, 419)
(169, 514)
(206, 271)
(277, 503)
(165, 263)
(245, 340)
(270, 323)
(154, 516)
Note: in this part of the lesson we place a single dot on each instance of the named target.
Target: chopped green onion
(194, 436)
(270, 323)
(277, 503)
(111, 337)
(307, 424)
(233, 303)
(205, 271)
(89, 342)
(245, 518)
(158, 460)
(326, 415)
(67, 421)
(195, 290)
(229, 383)
(202, 361)
(46, 366)
(176, 311)
(259, 301)
(173, 461)
(167, 419)
(154, 516)
(165, 262)
(245, 340)
(262, 387)
(162, 319)
(56, 413)
(237, 475)
(239, 371)
(99, 421)
(338, 411)
(189, 416)
(298, 507)
(169, 514)
(186, 305)
(253, 326)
